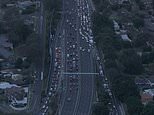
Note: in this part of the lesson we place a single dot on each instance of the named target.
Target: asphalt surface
(35, 102)
(78, 101)
(74, 41)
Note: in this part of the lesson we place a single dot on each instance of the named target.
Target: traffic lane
(69, 105)
(86, 86)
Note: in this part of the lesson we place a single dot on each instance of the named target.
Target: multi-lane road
(77, 94)
(73, 54)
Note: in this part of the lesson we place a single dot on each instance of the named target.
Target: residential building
(148, 4)
(146, 98)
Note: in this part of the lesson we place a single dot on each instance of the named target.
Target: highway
(77, 99)
(73, 51)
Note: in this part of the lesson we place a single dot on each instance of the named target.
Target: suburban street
(35, 101)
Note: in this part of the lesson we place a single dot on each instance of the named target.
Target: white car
(51, 89)
(49, 93)
(43, 106)
(68, 99)
(73, 46)
(68, 55)
(98, 58)
(101, 72)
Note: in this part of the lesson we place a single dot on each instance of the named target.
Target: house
(148, 4)
(24, 4)
(151, 81)
(146, 98)
(142, 83)
(17, 93)
(116, 26)
(125, 37)
(6, 85)
(149, 91)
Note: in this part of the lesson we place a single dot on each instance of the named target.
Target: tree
(31, 49)
(124, 86)
(148, 109)
(141, 39)
(134, 105)
(112, 73)
(18, 63)
(131, 61)
(19, 33)
(100, 109)
(3, 99)
(140, 4)
(110, 63)
(138, 22)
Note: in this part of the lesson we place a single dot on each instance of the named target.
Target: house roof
(5, 85)
(151, 79)
(146, 97)
(141, 81)
(125, 37)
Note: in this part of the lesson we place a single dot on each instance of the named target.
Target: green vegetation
(140, 4)
(149, 109)
(138, 22)
(121, 59)
(53, 13)
(100, 109)
(134, 106)
(19, 33)
(29, 10)
(131, 61)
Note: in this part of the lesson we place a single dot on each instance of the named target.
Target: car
(68, 55)
(51, 89)
(88, 50)
(110, 94)
(83, 50)
(101, 72)
(68, 99)
(98, 58)
(43, 106)
(49, 93)
(73, 46)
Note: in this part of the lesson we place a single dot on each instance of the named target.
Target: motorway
(77, 96)
(72, 50)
